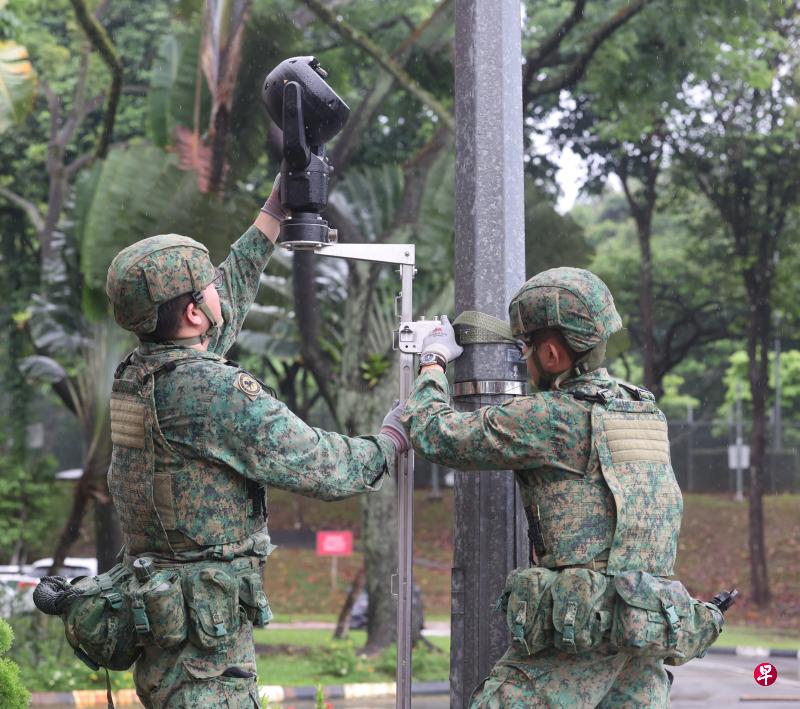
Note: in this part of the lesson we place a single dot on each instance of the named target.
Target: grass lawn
(311, 657)
(736, 635)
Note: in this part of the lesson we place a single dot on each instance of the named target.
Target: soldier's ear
(192, 315)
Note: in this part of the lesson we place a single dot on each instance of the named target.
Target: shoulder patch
(247, 384)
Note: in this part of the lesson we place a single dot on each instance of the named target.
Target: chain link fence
(700, 457)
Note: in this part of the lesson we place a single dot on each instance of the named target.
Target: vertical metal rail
(405, 515)
(404, 257)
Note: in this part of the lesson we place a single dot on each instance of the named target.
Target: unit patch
(248, 385)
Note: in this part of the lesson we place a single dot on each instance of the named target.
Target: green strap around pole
(472, 327)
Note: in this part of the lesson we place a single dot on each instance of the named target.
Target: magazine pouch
(528, 607)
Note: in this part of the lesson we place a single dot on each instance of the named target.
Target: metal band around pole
(477, 387)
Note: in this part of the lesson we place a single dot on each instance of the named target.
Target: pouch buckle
(140, 619)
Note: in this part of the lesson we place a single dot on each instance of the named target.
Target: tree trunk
(758, 351)
(380, 559)
(644, 231)
(108, 540)
(641, 207)
(72, 528)
(343, 623)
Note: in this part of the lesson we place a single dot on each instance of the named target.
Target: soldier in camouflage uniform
(196, 442)
(591, 457)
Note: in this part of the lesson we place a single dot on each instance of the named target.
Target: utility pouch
(99, 623)
(528, 607)
(158, 609)
(656, 617)
(212, 599)
(701, 629)
(582, 605)
(252, 597)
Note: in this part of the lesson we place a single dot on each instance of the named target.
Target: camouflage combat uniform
(197, 440)
(591, 458)
(547, 440)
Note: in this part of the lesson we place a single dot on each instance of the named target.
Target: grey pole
(490, 533)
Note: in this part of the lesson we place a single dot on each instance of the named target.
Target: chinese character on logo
(765, 674)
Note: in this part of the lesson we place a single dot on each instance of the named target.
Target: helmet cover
(153, 271)
(572, 300)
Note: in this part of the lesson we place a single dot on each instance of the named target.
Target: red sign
(765, 674)
(335, 543)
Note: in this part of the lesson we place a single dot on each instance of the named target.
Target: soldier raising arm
(196, 442)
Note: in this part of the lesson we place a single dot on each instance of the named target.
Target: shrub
(13, 694)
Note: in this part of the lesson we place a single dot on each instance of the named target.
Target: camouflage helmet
(572, 300)
(153, 271)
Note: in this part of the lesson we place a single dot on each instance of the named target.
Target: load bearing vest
(626, 508)
(149, 480)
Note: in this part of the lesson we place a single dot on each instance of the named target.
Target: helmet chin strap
(213, 329)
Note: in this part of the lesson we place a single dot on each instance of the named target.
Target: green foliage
(697, 296)
(551, 240)
(13, 694)
(17, 84)
(737, 385)
(673, 402)
(375, 366)
(139, 192)
(319, 698)
(31, 504)
(338, 659)
(48, 663)
(6, 637)
(427, 665)
(163, 78)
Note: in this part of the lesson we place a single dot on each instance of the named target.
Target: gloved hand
(273, 205)
(393, 428)
(442, 341)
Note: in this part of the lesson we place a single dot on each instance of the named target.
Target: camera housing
(310, 113)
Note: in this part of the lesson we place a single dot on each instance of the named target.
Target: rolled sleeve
(512, 435)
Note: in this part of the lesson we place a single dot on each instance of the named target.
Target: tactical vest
(626, 509)
(157, 491)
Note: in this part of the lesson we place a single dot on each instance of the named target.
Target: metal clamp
(480, 387)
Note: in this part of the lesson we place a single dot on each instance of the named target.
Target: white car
(18, 581)
(73, 567)
(16, 589)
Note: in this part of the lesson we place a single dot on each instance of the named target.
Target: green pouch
(701, 628)
(252, 597)
(528, 606)
(99, 623)
(212, 599)
(158, 609)
(582, 608)
(656, 617)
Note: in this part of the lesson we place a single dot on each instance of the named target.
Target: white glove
(442, 341)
